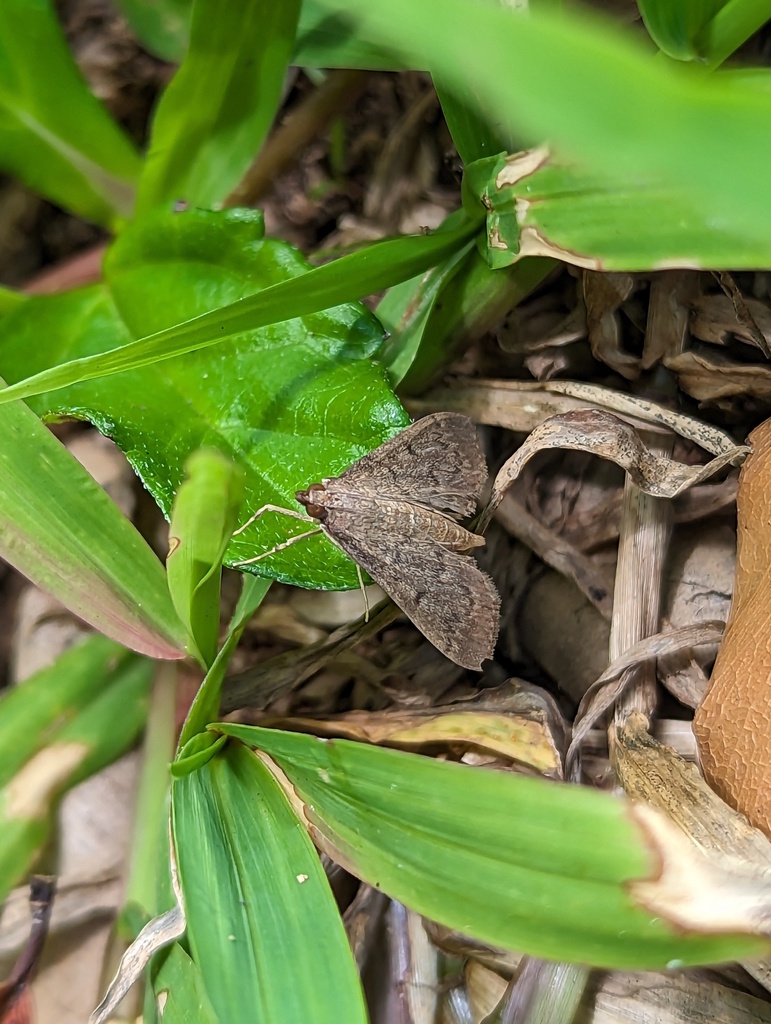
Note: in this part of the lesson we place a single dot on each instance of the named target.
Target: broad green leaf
(215, 114)
(512, 860)
(205, 707)
(369, 270)
(54, 135)
(262, 925)
(10, 299)
(538, 206)
(675, 27)
(591, 89)
(288, 403)
(204, 515)
(98, 734)
(162, 26)
(59, 528)
(31, 712)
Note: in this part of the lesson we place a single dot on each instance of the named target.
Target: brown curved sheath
(733, 723)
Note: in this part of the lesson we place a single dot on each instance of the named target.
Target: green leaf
(203, 518)
(433, 318)
(473, 132)
(262, 924)
(205, 707)
(179, 989)
(215, 114)
(327, 40)
(288, 403)
(162, 26)
(10, 299)
(98, 734)
(54, 135)
(369, 270)
(675, 27)
(591, 89)
(514, 861)
(32, 712)
(732, 25)
(59, 528)
(539, 206)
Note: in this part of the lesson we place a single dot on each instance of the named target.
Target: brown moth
(395, 512)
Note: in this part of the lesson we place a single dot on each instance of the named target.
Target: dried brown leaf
(744, 318)
(623, 997)
(713, 319)
(610, 438)
(603, 693)
(708, 378)
(604, 294)
(522, 406)
(667, 324)
(511, 722)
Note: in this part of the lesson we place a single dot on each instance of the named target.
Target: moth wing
(435, 462)
(447, 596)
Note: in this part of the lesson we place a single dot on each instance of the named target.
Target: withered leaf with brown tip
(395, 513)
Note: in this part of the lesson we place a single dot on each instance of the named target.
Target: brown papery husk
(733, 724)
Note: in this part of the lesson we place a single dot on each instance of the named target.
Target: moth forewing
(394, 513)
(436, 462)
(445, 594)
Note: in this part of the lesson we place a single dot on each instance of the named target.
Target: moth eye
(315, 511)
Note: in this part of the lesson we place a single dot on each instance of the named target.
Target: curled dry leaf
(604, 294)
(714, 319)
(742, 312)
(522, 406)
(605, 690)
(667, 325)
(155, 935)
(622, 997)
(511, 722)
(733, 724)
(708, 378)
(603, 434)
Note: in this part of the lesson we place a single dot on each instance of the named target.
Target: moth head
(312, 500)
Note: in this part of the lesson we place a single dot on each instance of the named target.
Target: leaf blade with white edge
(517, 862)
(611, 107)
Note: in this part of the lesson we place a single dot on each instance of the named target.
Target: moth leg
(273, 508)
(363, 592)
(279, 547)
